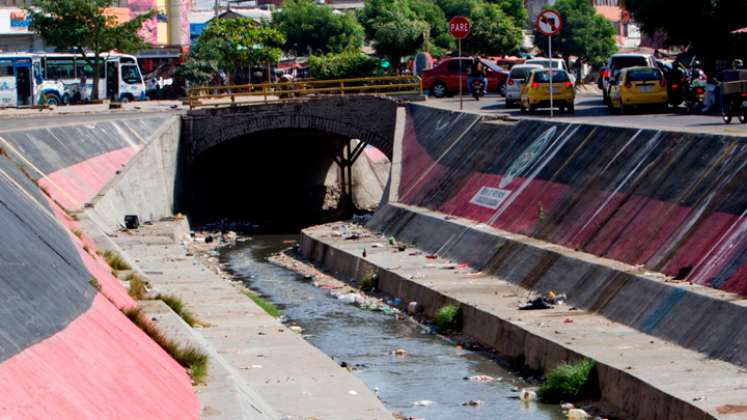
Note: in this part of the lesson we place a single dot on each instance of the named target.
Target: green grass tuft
(449, 318)
(188, 356)
(178, 306)
(568, 382)
(136, 289)
(94, 283)
(267, 306)
(370, 281)
(115, 261)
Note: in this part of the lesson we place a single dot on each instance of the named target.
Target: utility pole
(217, 8)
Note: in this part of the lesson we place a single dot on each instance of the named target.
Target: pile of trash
(547, 301)
(367, 302)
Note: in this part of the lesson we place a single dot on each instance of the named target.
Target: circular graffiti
(527, 157)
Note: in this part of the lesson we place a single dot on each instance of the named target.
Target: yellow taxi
(535, 92)
(638, 86)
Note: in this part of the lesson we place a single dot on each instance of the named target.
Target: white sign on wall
(490, 198)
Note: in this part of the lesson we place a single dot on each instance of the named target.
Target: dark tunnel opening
(273, 181)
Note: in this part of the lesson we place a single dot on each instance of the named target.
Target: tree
(705, 25)
(395, 29)
(348, 64)
(493, 31)
(439, 41)
(82, 26)
(307, 25)
(585, 34)
(232, 43)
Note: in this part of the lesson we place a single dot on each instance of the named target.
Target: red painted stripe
(101, 366)
(77, 184)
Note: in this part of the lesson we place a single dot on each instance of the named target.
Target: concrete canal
(427, 383)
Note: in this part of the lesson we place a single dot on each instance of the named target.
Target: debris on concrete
(472, 403)
(353, 392)
(422, 403)
(414, 308)
(296, 329)
(536, 304)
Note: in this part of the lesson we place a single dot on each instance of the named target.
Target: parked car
(638, 86)
(621, 61)
(443, 79)
(516, 78)
(535, 91)
(675, 73)
(556, 63)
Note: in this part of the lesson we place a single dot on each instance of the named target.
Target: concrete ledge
(696, 317)
(643, 377)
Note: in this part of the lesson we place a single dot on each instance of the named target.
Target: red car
(443, 79)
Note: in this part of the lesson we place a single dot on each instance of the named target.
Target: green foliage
(449, 318)
(196, 71)
(115, 261)
(81, 26)
(394, 28)
(370, 281)
(267, 306)
(495, 30)
(137, 287)
(232, 43)
(705, 25)
(187, 356)
(310, 26)
(585, 34)
(567, 382)
(178, 306)
(349, 64)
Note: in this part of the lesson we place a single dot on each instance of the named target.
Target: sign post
(459, 28)
(549, 23)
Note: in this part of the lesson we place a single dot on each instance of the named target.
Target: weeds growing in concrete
(267, 306)
(94, 283)
(448, 318)
(188, 356)
(136, 289)
(115, 261)
(370, 281)
(568, 382)
(178, 306)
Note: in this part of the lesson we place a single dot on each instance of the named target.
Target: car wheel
(571, 108)
(605, 97)
(438, 90)
(532, 109)
(743, 116)
(561, 108)
(522, 108)
(509, 104)
(502, 89)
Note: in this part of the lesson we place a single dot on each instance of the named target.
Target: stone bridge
(370, 119)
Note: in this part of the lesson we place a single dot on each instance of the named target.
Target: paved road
(591, 110)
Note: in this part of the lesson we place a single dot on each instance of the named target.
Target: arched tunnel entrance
(283, 180)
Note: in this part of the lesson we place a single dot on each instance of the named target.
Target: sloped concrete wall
(66, 349)
(672, 202)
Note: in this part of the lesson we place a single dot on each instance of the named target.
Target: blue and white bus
(22, 82)
(119, 76)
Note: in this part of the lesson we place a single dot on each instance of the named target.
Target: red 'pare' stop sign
(459, 27)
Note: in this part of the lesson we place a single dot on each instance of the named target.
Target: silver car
(516, 77)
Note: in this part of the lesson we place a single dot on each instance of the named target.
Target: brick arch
(368, 118)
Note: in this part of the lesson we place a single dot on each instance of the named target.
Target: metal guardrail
(387, 85)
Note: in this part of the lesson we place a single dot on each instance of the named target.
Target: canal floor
(426, 383)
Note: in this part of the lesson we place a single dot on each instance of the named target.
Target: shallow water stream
(433, 369)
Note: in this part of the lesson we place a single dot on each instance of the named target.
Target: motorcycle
(695, 94)
(478, 89)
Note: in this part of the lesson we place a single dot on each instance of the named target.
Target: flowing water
(433, 369)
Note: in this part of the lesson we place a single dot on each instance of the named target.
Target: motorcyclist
(476, 71)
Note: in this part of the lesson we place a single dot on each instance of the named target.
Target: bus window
(84, 67)
(61, 69)
(126, 60)
(131, 74)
